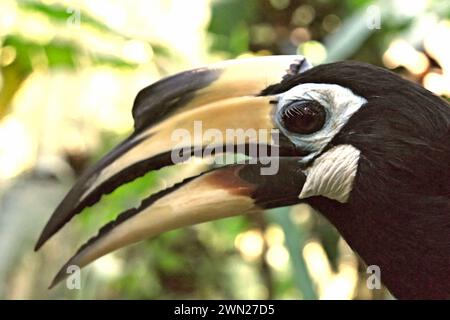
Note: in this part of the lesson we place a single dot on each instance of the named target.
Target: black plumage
(398, 215)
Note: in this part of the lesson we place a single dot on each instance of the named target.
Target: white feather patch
(332, 174)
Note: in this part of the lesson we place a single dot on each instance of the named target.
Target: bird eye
(303, 117)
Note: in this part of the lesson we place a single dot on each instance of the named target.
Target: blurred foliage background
(69, 74)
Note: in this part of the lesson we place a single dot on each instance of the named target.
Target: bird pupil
(303, 117)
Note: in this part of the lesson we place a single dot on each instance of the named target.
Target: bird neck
(409, 242)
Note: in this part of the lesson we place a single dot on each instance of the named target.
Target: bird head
(363, 146)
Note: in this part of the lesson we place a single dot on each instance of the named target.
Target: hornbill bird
(366, 148)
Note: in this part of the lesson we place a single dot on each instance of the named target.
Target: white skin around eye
(340, 104)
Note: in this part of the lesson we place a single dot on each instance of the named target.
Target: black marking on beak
(67, 210)
(164, 97)
(243, 183)
(297, 67)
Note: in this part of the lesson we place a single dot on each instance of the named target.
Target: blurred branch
(259, 220)
(295, 241)
(350, 37)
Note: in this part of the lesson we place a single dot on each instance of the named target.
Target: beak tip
(53, 284)
(52, 226)
(39, 243)
(58, 277)
(45, 235)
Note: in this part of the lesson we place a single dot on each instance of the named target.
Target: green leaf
(112, 61)
(60, 13)
(231, 35)
(61, 54)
